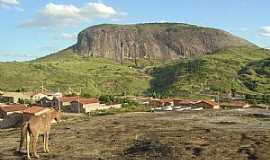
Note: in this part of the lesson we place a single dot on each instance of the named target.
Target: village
(37, 103)
(74, 109)
(171, 128)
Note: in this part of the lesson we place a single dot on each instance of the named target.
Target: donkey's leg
(27, 138)
(23, 137)
(47, 141)
(44, 143)
(34, 144)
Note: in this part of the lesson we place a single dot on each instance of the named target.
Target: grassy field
(244, 69)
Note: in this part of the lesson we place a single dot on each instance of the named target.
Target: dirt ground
(189, 135)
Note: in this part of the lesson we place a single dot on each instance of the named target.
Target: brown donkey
(33, 126)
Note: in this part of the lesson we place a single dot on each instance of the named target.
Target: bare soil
(189, 135)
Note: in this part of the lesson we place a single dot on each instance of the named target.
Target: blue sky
(34, 28)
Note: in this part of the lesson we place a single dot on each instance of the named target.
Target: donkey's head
(55, 115)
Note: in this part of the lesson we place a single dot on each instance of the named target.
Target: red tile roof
(183, 102)
(68, 99)
(87, 100)
(13, 108)
(34, 110)
(211, 103)
(166, 100)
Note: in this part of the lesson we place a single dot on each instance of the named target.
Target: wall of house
(104, 107)
(91, 107)
(86, 108)
(76, 107)
(3, 114)
(204, 105)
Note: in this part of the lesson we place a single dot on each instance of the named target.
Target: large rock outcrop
(152, 41)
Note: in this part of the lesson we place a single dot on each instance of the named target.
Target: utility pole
(79, 106)
(42, 87)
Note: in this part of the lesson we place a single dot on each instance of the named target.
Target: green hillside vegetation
(233, 68)
(209, 74)
(256, 76)
(61, 71)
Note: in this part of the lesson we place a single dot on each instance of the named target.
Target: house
(84, 105)
(161, 104)
(236, 104)
(183, 103)
(208, 104)
(6, 110)
(17, 96)
(66, 100)
(35, 110)
(112, 106)
(56, 94)
(6, 99)
(37, 97)
(49, 102)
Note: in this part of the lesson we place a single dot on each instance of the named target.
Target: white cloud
(62, 15)
(11, 56)
(68, 36)
(48, 48)
(265, 31)
(8, 3)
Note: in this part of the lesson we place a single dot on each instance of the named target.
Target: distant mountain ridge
(152, 41)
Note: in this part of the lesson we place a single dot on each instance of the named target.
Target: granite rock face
(153, 41)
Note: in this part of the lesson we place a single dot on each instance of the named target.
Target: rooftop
(68, 99)
(12, 108)
(212, 103)
(87, 100)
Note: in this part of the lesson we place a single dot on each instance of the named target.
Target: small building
(66, 100)
(183, 103)
(37, 97)
(112, 106)
(56, 94)
(6, 99)
(6, 110)
(208, 104)
(49, 102)
(236, 104)
(85, 105)
(35, 110)
(161, 102)
(17, 96)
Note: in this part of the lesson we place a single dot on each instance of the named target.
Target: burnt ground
(189, 135)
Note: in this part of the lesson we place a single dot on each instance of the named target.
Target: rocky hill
(219, 62)
(152, 41)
